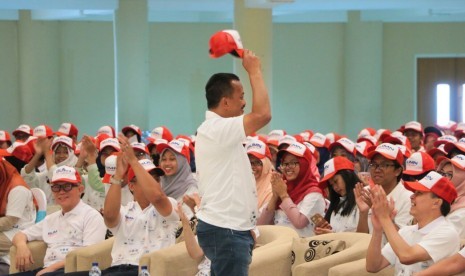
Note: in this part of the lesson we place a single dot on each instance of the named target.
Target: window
(443, 104)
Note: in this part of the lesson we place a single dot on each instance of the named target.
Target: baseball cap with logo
(258, 149)
(413, 125)
(296, 149)
(187, 140)
(312, 149)
(23, 128)
(108, 130)
(148, 166)
(319, 140)
(161, 132)
(388, 151)
(306, 135)
(397, 138)
(176, 145)
(332, 166)
(274, 136)
(67, 141)
(382, 133)
(439, 149)
(366, 132)
(286, 140)
(368, 138)
(110, 142)
(66, 174)
(226, 42)
(110, 168)
(43, 131)
(67, 129)
(419, 163)
(460, 145)
(435, 183)
(140, 147)
(346, 143)
(333, 137)
(363, 148)
(404, 150)
(458, 161)
(445, 139)
(460, 129)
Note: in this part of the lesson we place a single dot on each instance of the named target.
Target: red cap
(43, 131)
(258, 149)
(161, 133)
(108, 130)
(445, 139)
(176, 145)
(66, 174)
(148, 166)
(435, 183)
(19, 150)
(23, 128)
(140, 147)
(419, 163)
(346, 143)
(67, 129)
(134, 128)
(388, 151)
(319, 140)
(332, 166)
(5, 136)
(226, 42)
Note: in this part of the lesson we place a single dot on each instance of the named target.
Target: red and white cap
(286, 140)
(226, 42)
(110, 142)
(5, 136)
(110, 168)
(451, 126)
(458, 161)
(388, 151)
(333, 137)
(108, 130)
(258, 149)
(67, 141)
(382, 133)
(419, 163)
(332, 166)
(77, 150)
(297, 149)
(161, 132)
(445, 139)
(460, 145)
(319, 140)
(19, 150)
(368, 138)
(43, 131)
(366, 132)
(176, 145)
(134, 128)
(306, 135)
(397, 138)
(460, 129)
(66, 174)
(363, 148)
(187, 140)
(435, 183)
(413, 125)
(155, 142)
(140, 147)
(148, 166)
(274, 136)
(23, 128)
(346, 143)
(67, 129)
(439, 149)
(404, 150)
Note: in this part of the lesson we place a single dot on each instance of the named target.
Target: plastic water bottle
(95, 271)
(144, 271)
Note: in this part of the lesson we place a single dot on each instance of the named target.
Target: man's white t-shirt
(142, 231)
(21, 205)
(226, 183)
(311, 204)
(438, 238)
(457, 218)
(63, 233)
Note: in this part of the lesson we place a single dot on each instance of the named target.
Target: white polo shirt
(142, 231)
(226, 183)
(457, 218)
(438, 238)
(347, 223)
(63, 233)
(93, 198)
(21, 205)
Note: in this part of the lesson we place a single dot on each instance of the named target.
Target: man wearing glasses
(386, 169)
(77, 225)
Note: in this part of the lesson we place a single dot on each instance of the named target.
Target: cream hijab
(263, 182)
(458, 179)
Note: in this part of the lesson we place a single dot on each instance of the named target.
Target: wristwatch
(116, 182)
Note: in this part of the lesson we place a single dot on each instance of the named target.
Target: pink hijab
(459, 182)
(263, 182)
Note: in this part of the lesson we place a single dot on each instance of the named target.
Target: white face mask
(133, 139)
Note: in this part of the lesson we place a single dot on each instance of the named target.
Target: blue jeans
(230, 251)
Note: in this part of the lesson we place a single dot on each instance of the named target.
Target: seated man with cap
(416, 247)
(76, 225)
(146, 224)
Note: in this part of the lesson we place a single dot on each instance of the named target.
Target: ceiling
(284, 11)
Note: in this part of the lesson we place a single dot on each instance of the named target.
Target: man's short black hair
(219, 86)
(445, 206)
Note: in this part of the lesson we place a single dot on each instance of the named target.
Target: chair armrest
(173, 261)
(37, 248)
(272, 259)
(357, 268)
(81, 259)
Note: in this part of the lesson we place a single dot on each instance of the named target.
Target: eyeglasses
(257, 163)
(65, 187)
(446, 174)
(383, 166)
(289, 165)
(139, 153)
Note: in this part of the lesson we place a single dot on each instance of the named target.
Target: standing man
(228, 211)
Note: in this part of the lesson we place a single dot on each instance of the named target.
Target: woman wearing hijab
(17, 210)
(260, 161)
(454, 169)
(296, 194)
(178, 180)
